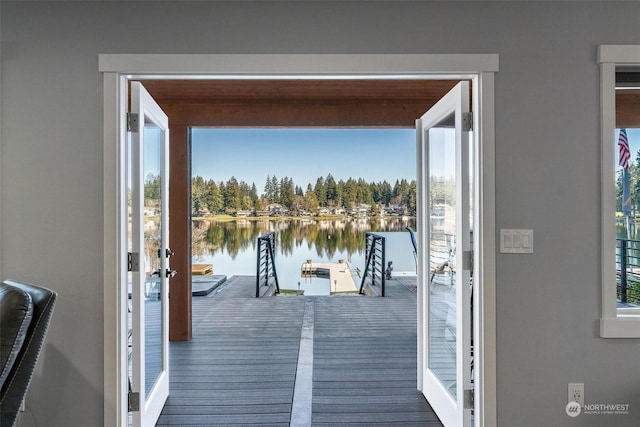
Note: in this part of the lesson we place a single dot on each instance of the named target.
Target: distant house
(276, 209)
(324, 211)
(361, 210)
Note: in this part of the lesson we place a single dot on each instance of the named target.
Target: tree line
(233, 195)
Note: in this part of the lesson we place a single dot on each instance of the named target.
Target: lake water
(231, 247)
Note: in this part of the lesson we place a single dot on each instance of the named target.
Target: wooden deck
(279, 361)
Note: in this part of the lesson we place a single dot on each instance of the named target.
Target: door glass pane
(442, 253)
(153, 356)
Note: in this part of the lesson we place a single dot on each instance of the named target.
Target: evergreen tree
(233, 195)
(331, 190)
(386, 192)
(253, 194)
(363, 194)
(269, 190)
(275, 189)
(350, 193)
(339, 201)
(215, 198)
(286, 192)
(198, 190)
(321, 191)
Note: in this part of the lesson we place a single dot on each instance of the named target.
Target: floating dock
(203, 285)
(338, 273)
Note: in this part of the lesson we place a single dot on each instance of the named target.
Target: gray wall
(547, 170)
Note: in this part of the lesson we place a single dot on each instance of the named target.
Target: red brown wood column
(179, 233)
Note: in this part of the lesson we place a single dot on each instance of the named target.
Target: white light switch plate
(516, 241)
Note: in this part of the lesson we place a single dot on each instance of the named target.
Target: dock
(338, 273)
(307, 360)
(204, 285)
(202, 269)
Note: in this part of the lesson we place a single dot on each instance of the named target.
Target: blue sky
(303, 154)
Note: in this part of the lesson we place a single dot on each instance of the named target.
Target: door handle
(167, 253)
(167, 273)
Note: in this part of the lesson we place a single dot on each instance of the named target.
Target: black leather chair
(25, 313)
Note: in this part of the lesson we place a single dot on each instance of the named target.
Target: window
(620, 144)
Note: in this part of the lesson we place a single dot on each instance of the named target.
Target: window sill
(623, 326)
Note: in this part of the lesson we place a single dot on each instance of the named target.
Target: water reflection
(231, 246)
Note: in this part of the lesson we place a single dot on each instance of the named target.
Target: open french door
(445, 261)
(147, 167)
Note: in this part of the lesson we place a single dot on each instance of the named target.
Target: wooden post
(180, 232)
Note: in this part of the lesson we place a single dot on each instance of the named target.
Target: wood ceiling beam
(297, 103)
(628, 108)
(295, 114)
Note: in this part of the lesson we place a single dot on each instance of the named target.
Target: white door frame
(117, 68)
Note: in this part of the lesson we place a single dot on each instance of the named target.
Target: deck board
(365, 362)
(240, 366)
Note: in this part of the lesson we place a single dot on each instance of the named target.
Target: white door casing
(118, 68)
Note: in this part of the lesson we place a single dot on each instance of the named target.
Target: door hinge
(468, 399)
(467, 260)
(467, 122)
(134, 402)
(133, 261)
(132, 122)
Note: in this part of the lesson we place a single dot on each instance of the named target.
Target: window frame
(615, 322)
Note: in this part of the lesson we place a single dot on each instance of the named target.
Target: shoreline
(230, 218)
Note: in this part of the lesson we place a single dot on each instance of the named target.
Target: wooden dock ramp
(338, 273)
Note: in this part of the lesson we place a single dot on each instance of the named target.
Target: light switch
(516, 241)
(507, 241)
